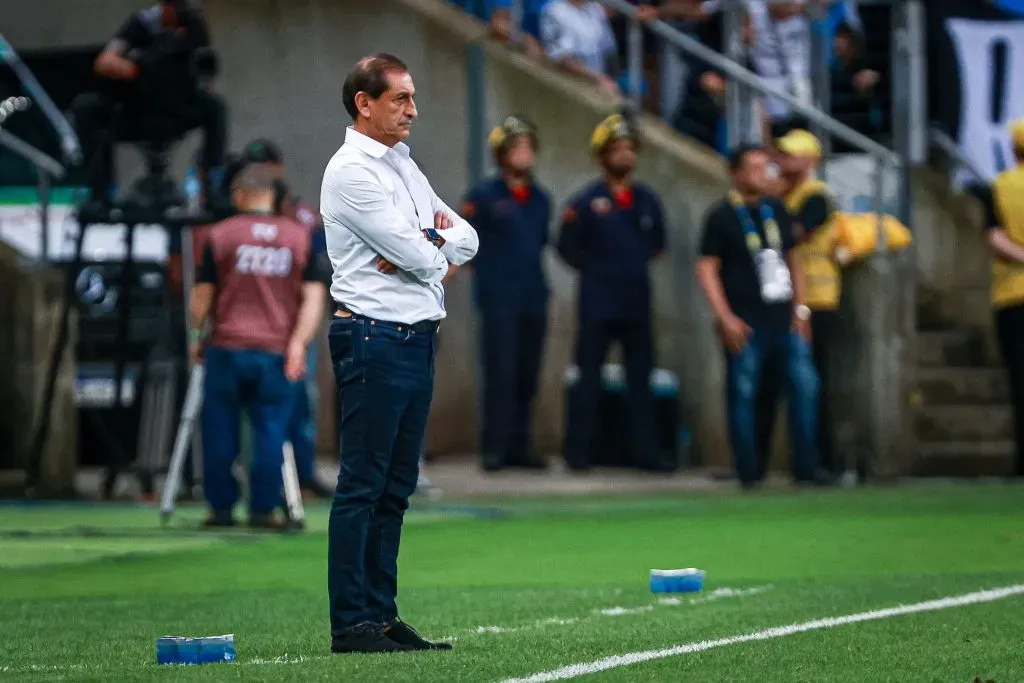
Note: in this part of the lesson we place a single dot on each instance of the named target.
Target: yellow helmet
(511, 128)
(1017, 133)
(799, 143)
(613, 128)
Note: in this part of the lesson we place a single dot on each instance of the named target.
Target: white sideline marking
(576, 670)
(717, 594)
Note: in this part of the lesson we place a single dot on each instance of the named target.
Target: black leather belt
(422, 327)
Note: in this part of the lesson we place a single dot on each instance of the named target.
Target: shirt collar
(371, 147)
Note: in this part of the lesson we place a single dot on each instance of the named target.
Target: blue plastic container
(688, 580)
(183, 650)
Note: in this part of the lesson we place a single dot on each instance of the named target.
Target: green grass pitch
(534, 585)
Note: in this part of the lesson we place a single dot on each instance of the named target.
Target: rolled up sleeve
(460, 240)
(357, 201)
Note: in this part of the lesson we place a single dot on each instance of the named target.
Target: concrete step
(939, 386)
(964, 423)
(954, 309)
(957, 348)
(964, 459)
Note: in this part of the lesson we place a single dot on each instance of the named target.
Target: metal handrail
(32, 155)
(755, 82)
(940, 139)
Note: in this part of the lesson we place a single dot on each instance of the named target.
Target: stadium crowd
(588, 40)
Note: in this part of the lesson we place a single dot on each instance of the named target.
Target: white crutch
(186, 427)
(292, 492)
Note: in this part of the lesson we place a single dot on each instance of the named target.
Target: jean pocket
(395, 334)
(339, 340)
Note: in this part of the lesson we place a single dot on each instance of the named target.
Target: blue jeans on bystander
(743, 372)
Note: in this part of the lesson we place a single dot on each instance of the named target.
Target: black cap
(262, 151)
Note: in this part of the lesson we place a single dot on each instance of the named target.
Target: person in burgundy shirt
(302, 429)
(261, 288)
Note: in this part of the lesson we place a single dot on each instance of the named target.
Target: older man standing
(381, 218)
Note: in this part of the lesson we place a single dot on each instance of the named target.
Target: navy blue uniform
(511, 294)
(610, 240)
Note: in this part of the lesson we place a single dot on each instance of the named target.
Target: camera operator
(155, 79)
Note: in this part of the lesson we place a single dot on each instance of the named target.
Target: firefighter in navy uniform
(611, 231)
(511, 214)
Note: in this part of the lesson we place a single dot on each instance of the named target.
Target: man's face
(842, 46)
(391, 115)
(519, 155)
(170, 17)
(752, 176)
(619, 157)
(791, 165)
(276, 170)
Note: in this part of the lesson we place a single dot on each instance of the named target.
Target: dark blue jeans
(385, 380)
(302, 426)
(254, 380)
(596, 336)
(743, 376)
(512, 349)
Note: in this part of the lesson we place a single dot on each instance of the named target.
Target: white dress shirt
(579, 32)
(374, 202)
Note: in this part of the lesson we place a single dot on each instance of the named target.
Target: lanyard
(771, 227)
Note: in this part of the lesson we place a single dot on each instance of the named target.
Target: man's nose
(411, 111)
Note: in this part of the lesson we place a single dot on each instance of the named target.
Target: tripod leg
(193, 402)
(292, 493)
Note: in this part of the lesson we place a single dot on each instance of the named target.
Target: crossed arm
(361, 203)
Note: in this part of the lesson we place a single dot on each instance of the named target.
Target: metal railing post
(881, 243)
(909, 97)
(732, 37)
(635, 59)
(476, 111)
(821, 73)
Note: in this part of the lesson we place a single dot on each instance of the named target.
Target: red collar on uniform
(624, 198)
(521, 193)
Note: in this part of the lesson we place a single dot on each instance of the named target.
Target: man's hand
(802, 326)
(607, 85)
(713, 84)
(385, 266)
(865, 79)
(734, 333)
(645, 13)
(295, 362)
(451, 271)
(195, 353)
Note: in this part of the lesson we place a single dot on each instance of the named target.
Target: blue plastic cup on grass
(688, 580)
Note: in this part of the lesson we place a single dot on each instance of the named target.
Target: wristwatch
(802, 312)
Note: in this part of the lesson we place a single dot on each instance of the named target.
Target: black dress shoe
(366, 637)
(492, 462)
(406, 635)
(528, 462)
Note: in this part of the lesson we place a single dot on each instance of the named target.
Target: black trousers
(102, 120)
(773, 378)
(1010, 328)
(595, 337)
(512, 349)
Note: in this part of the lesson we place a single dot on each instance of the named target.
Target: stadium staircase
(963, 421)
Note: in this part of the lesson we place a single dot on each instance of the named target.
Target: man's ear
(362, 103)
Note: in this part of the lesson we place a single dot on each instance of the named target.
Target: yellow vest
(821, 272)
(1007, 276)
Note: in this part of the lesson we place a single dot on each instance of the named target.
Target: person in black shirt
(754, 283)
(154, 83)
